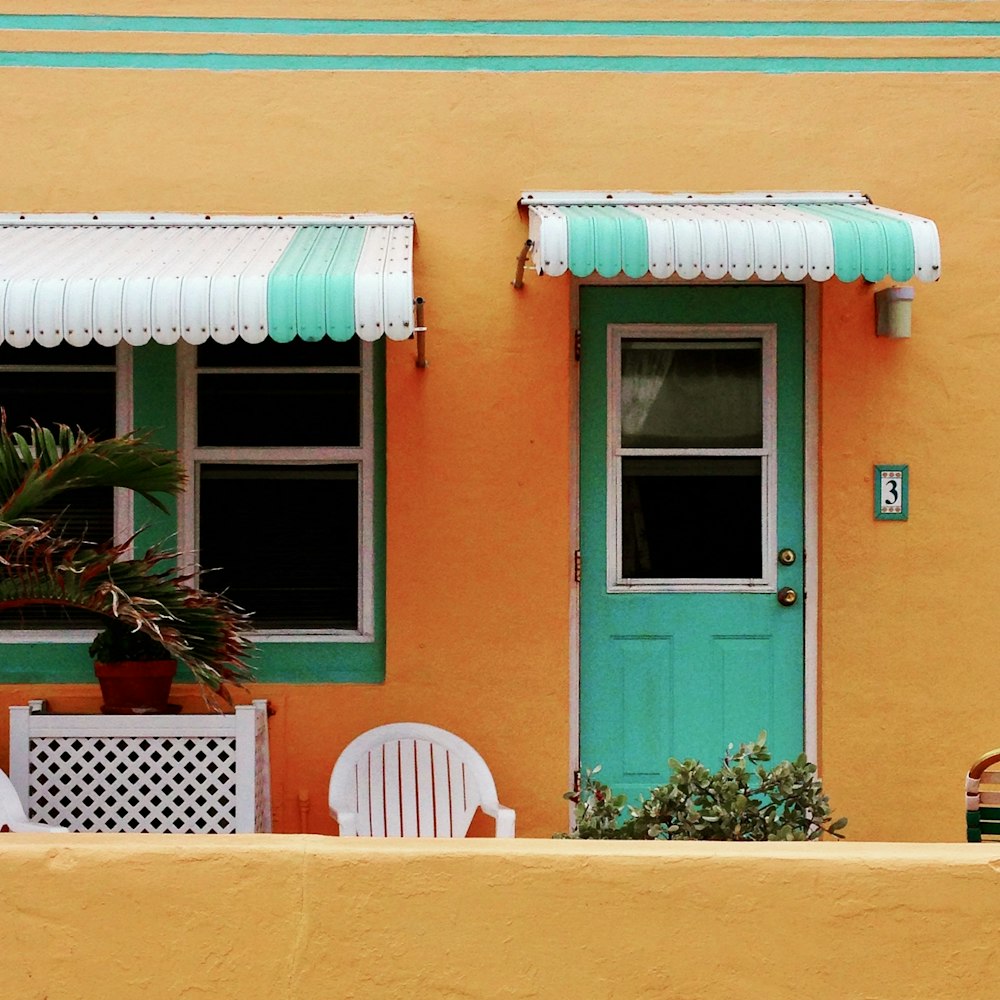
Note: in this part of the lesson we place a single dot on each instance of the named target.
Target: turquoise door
(691, 525)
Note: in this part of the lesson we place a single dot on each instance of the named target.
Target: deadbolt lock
(786, 557)
(787, 596)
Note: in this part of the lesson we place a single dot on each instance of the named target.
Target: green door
(691, 525)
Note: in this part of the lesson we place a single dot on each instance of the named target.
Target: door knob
(787, 596)
(786, 557)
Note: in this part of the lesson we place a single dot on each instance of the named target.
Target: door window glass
(691, 394)
(691, 429)
(691, 518)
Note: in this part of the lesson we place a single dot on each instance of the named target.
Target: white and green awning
(738, 236)
(166, 278)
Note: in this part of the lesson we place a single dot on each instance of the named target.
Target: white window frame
(363, 456)
(124, 513)
(767, 334)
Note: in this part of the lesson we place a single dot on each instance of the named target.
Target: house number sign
(892, 492)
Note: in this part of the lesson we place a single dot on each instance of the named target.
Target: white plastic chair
(408, 779)
(12, 814)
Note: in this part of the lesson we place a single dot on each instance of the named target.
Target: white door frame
(810, 507)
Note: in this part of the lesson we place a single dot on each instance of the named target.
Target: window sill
(48, 635)
(310, 635)
(86, 636)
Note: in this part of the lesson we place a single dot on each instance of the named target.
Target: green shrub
(743, 800)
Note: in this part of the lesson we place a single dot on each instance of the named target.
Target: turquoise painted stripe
(616, 29)
(310, 291)
(227, 62)
(865, 246)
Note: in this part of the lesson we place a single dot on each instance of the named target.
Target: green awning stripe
(310, 291)
(865, 245)
(635, 248)
(609, 241)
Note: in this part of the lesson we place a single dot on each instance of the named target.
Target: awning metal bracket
(522, 259)
(418, 331)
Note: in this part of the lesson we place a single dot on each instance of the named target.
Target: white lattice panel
(144, 774)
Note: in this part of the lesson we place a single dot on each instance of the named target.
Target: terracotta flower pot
(136, 687)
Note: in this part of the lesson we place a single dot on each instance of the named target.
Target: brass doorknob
(786, 557)
(787, 596)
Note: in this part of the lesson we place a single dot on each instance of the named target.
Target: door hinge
(577, 344)
(577, 566)
(576, 781)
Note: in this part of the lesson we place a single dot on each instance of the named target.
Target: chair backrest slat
(364, 800)
(460, 792)
(391, 791)
(444, 821)
(425, 789)
(408, 788)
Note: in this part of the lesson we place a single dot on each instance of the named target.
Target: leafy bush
(743, 800)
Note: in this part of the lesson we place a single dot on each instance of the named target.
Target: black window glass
(249, 397)
(59, 385)
(51, 616)
(286, 540)
(74, 386)
(276, 409)
(691, 518)
(296, 353)
(36, 355)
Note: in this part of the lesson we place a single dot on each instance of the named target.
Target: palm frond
(43, 463)
(205, 631)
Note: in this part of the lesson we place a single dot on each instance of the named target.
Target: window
(75, 386)
(279, 443)
(691, 444)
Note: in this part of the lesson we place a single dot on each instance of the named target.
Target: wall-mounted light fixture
(893, 311)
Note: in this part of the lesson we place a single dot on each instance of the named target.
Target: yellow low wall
(107, 916)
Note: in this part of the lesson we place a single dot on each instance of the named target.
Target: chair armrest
(504, 817)
(27, 826)
(347, 821)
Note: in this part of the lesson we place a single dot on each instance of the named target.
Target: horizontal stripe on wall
(486, 46)
(307, 26)
(231, 62)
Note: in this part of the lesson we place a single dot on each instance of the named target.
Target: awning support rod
(419, 330)
(522, 259)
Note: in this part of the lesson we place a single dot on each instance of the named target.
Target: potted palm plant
(144, 596)
(134, 671)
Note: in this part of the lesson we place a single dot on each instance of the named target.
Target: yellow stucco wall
(291, 917)
(479, 445)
